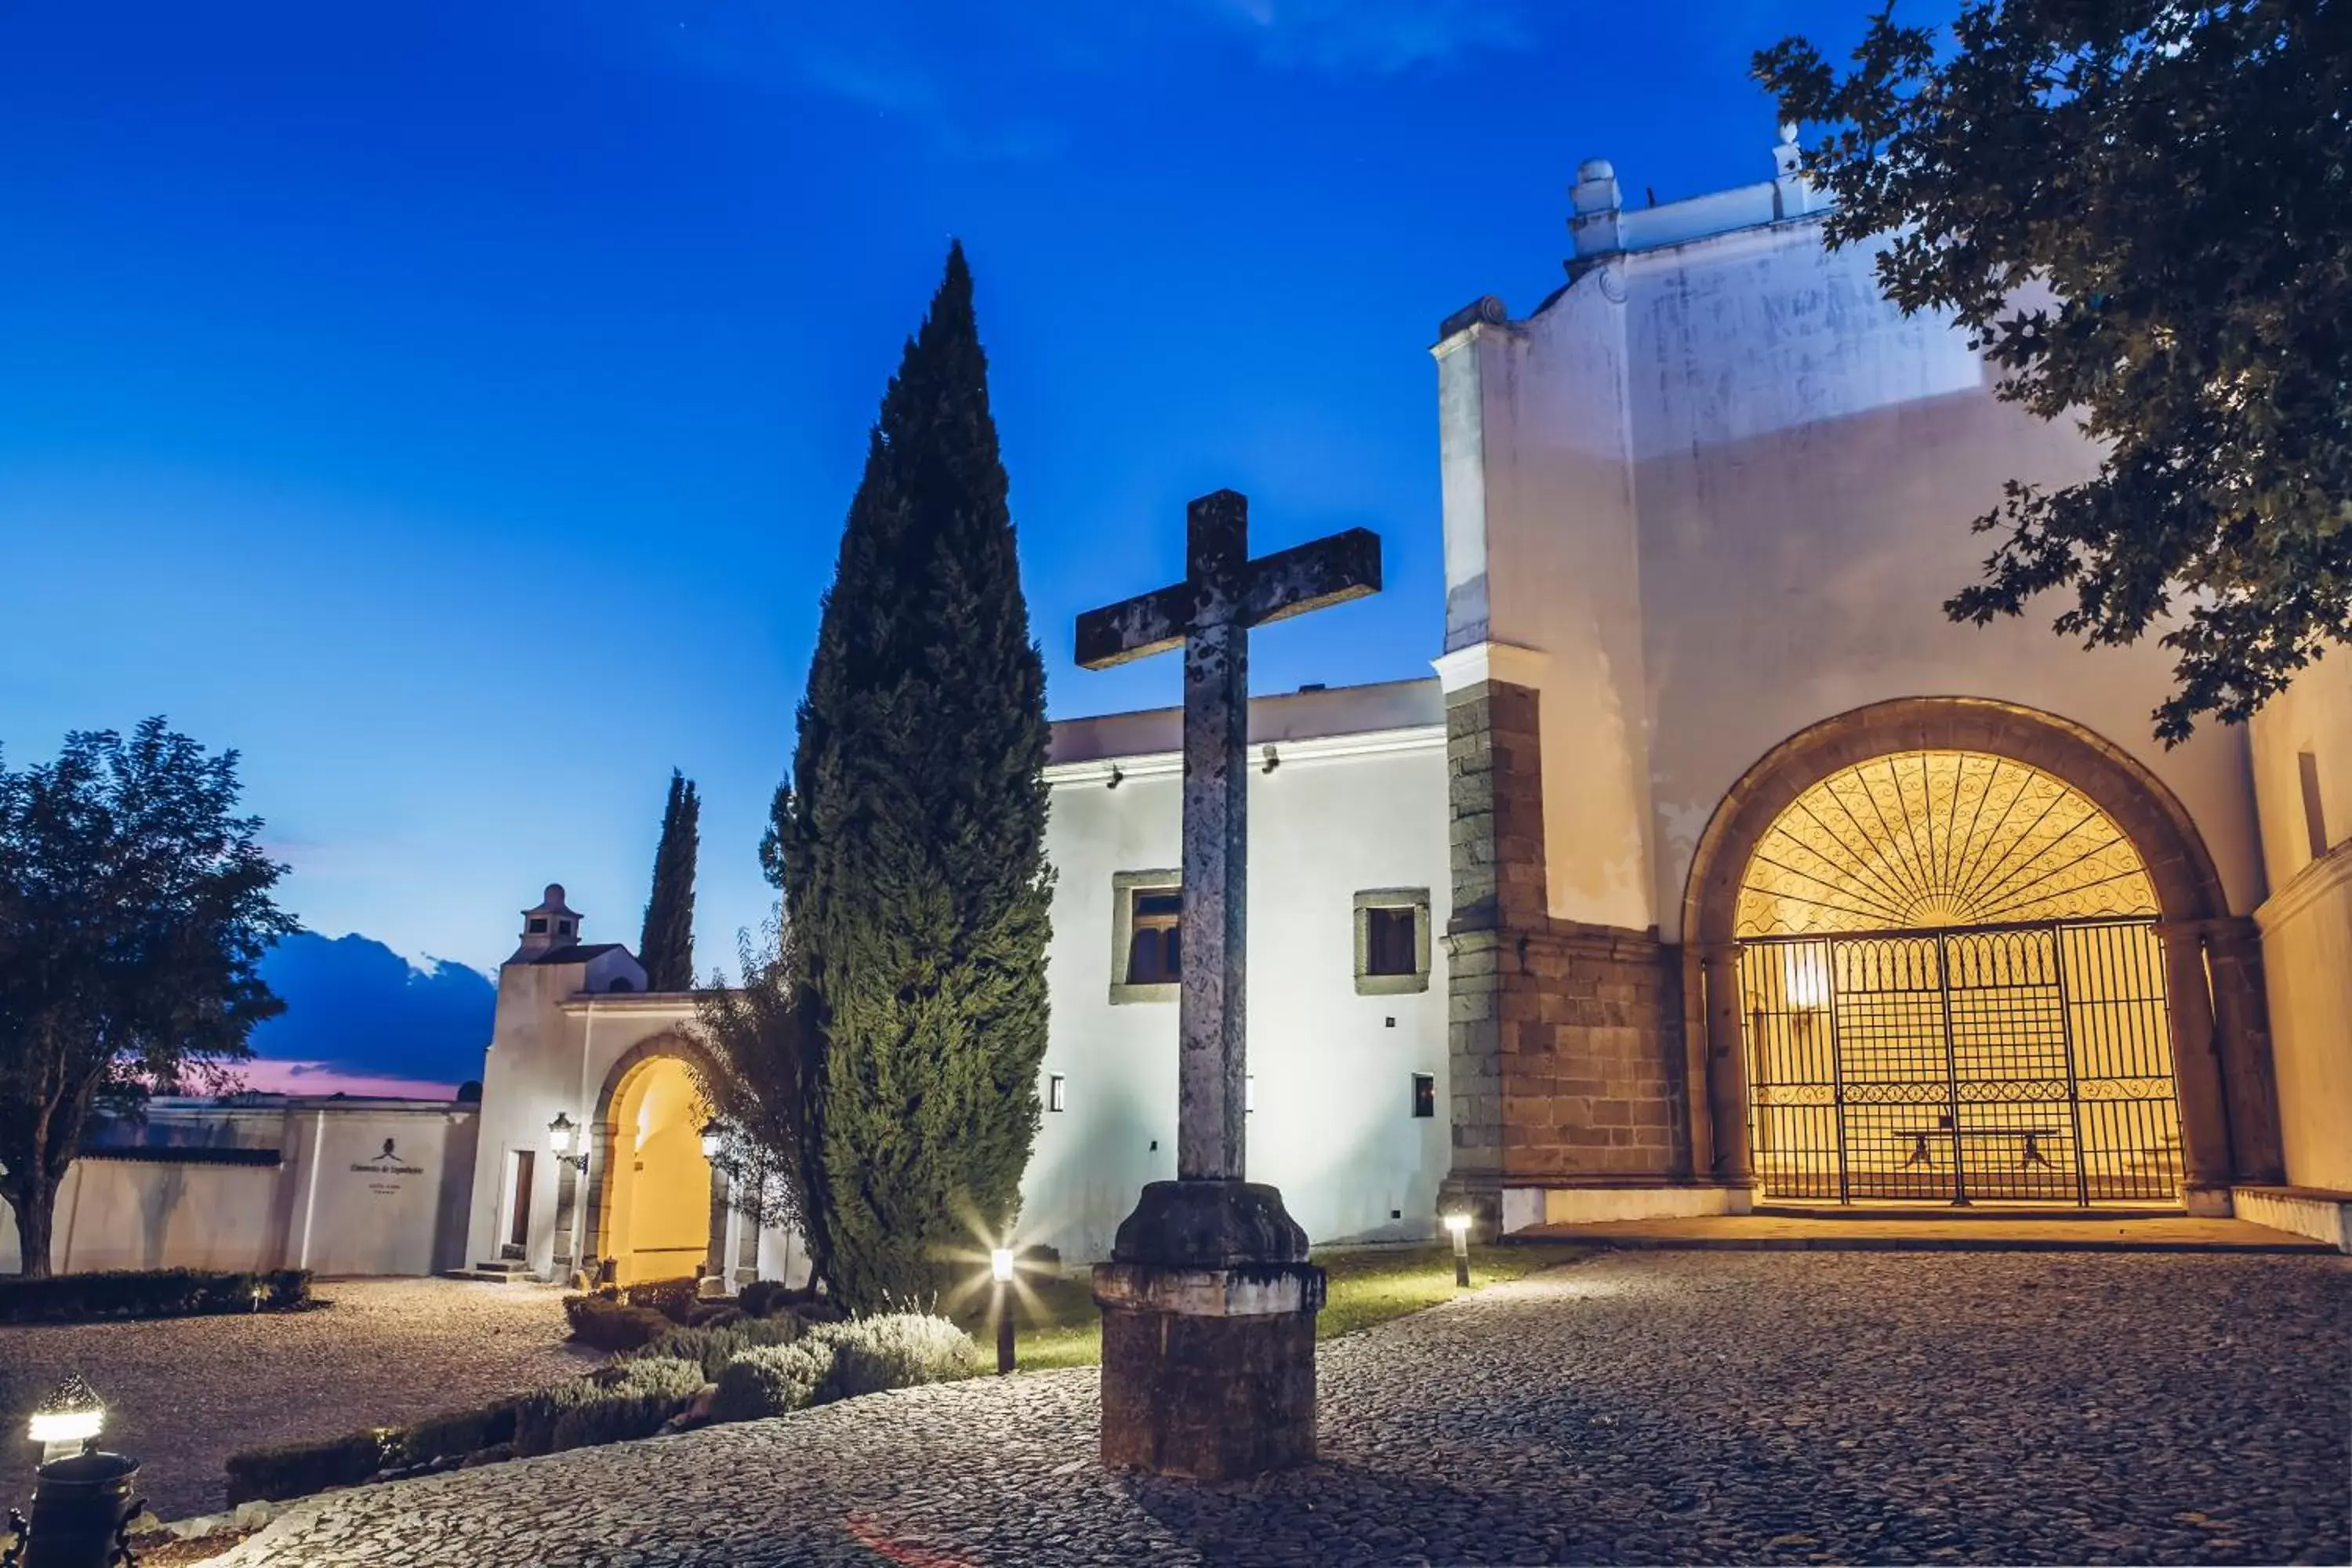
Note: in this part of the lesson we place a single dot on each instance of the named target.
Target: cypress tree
(912, 841)
(667, 947)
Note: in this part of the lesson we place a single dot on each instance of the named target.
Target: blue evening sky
(454, 407)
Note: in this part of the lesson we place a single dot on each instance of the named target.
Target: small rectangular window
(1424, 1094)
(1389, 941)
(538, 927)
(1155, 950)
(1058, 1092)
(2315, 819)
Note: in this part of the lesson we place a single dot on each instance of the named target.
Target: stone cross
(1210, 613)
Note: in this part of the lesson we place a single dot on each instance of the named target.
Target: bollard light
(1000, 1269)
(1459, 1223)
(68, 1421)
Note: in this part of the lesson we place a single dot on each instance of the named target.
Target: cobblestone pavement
(1642, 1408)
(182, 1393)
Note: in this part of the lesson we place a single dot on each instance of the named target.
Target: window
(1058, 1092)
(538, 926)
(1146, 955)
(563, 928)
(1155, 943)
(1388, 941)
(1391, 941)
(2315, 819)
(1424, 1094)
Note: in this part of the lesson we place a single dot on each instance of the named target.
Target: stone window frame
(1417, 901)
(1124, 886)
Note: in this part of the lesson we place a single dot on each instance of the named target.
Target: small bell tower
(550, 925)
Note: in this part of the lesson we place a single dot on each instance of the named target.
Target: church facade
(1712, 867)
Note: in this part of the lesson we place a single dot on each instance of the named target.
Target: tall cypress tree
(667, 947)
(912, 841)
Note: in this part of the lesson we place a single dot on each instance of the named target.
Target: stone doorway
(1947, 949)
(653, 1201)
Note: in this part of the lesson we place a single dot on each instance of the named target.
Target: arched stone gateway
(657, 1213)
(1957, 951)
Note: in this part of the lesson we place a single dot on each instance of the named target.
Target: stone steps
(498, 1270)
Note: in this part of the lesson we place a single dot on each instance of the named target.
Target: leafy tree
(758, 1040)
(667, 947)
(911, 844)
(134, 906)
(2142, 213)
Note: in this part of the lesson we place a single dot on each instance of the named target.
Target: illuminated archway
(652, 1214)
(1965, 821)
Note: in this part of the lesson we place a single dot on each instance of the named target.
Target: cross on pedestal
(1210, 613)
(1208, 1299)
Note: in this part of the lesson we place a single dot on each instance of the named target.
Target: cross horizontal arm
(1135, 628)
(1309, 576)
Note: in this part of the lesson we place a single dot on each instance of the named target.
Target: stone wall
(1564, 1039)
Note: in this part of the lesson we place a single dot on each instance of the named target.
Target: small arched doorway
(1954, 991)
(653, 1202)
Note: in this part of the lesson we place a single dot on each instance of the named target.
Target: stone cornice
(1484, 661)
(2307, 886)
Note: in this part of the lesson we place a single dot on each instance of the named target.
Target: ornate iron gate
(2015, 1063)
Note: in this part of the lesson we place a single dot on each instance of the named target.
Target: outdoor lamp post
(68, 1421)
(1000, 1269)
(1459, 1223)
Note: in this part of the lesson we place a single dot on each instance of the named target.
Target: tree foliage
(134, 907)
(2141, 212)
(667, 946)
(758, 1038)
(911, 844)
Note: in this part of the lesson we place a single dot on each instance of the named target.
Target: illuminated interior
(657, 1205)
(1954, 992)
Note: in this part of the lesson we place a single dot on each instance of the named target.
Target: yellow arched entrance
(655, 1198)
(1954, 991)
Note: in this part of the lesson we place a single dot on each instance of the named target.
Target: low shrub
(609, 1324)
(713, 1347)
(771, 1381)
(760, 1296)
(673, 1299)
(456, 1433)
(713, 1313)
(629, 1399)
(296, 1470)
(893, 1349)
(150, 1293)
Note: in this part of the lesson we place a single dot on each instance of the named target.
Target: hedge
(892, 1349)
(613, 1325)
(627, 1399)
(298, 1470)
(773, 1380)
(149, 1293)
(713, 1347)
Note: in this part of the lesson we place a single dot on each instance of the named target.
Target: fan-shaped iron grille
(1927, 839)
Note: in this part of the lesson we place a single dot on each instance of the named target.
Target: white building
(1712, 867)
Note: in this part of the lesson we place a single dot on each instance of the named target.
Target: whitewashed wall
(2306, 922)
(1333, 1126)
(1723, 489)
(334, 1202)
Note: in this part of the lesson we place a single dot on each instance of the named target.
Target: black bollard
(80, 1508)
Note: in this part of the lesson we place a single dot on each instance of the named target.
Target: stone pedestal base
(1208, 1304)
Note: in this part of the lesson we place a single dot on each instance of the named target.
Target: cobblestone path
(183, 1394)
(1640, 1407)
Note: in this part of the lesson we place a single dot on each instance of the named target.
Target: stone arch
(2211, 961)
(603, 1142)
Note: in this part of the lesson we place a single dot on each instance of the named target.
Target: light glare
(1000, 1264)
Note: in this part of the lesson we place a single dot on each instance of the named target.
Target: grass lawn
(1060, 1326)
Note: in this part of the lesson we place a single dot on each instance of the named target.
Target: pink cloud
(322, 1077)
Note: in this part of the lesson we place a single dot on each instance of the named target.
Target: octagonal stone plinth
(1208, 1306)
